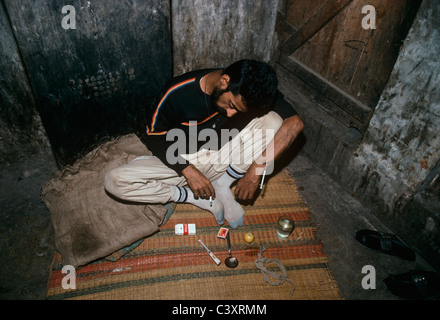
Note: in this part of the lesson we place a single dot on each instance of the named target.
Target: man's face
(226, 103)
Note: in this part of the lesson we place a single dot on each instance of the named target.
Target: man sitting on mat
(199, 167)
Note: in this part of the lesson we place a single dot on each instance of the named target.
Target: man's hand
(248, 184)
(198, 183)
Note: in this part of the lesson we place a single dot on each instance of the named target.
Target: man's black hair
(255, 81)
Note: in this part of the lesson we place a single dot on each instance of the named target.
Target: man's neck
(209, 81)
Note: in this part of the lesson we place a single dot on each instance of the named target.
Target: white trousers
(147, 179)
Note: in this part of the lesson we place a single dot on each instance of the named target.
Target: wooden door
(330, 55)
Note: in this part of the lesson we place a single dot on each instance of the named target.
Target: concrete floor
(26, 247)
(26, 234)
(338, 216)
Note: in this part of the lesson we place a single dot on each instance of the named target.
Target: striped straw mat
(169, 266)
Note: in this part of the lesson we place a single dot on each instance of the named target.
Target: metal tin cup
(285, 226)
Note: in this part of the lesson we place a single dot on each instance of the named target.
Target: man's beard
(215, 96)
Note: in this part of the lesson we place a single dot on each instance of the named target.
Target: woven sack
(88, 223)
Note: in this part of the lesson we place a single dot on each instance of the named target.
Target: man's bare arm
(283, 139)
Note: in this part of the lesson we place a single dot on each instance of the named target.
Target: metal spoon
(230, 262)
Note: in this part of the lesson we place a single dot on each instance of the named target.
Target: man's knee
(111, 182)
(272, 120)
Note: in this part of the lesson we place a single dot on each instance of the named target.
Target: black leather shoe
(414, 284)
(386, 243)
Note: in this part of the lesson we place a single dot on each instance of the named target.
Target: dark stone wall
(216, 33)
(21, 130)
(401, 148)
(94, 81)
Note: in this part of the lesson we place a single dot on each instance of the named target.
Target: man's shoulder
(190, 76)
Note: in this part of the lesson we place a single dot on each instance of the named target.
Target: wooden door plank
(329, 10)
(359, 112)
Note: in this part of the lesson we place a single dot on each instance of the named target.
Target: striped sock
(185, 195)
(234, 172)
(180, 195)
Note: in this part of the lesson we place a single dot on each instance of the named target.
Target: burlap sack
(89, 224)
